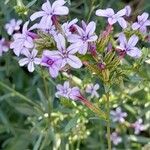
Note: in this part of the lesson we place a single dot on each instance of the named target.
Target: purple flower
(12, 26)
(84, 37)
(22, 41)
(118, 115)
(3, 46)
(69, 27)
(67, 92)
(115, 138)
(50, 12)
(92, 89)
(142, 23)
(30, 60)
(138, 126)
(112, 17)
(66, 55)
(53, 63)
(129, 46)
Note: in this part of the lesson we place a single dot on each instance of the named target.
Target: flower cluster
(72, 43)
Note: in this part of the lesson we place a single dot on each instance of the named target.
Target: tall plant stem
(108, 121)
(47, 95)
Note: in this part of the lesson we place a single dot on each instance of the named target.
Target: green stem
(108, 121)
(26, 99)
(47, 95)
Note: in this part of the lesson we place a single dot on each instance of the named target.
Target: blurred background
(29, 122)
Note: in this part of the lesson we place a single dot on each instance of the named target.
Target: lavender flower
(3, 46)
(92, 89)
(118, 115)
(65, 55)
(84, 37)
(67, 92)
(69, 27)
(22, 41)
(50, 12)
(112, 17)
(138, 126)
(30, 60)
(129, 46)
(53, 63)
(12, 26)
(115, 138)
(142, 23)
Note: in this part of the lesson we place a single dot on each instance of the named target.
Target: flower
(66, 55)
(112, 17)
(30, 60)
(3, 46)
(138, 126)
(53, 63)
(118, 115)
(142, 23)
(92, 89)
(66, 91)
(69, 27)
(129, 46)
(84, 37)
(115, 138)
(13, 25)
(22, 41)
(50, 12)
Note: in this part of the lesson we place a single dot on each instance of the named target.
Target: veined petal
(135, 26)
(60, 40)
(34, 53)
(37, 15)
(134, 52)
(142, 18)
(73, 38)
(83, 48)
(31, 67)
(61, 10)
(92, 38)
(37, 61)
(73, 48)
(23, 61)
(24, 29)
(122, 22)
(111, 21)
(122, 39)
(74, 61)
(105, 12)
(47, 7)
(133, 41)
(90, 29)
(53, 71)
(121, 13)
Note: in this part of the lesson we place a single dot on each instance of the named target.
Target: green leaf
(38, 142)
(71, 124)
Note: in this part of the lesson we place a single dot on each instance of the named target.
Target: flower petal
(31, 67)
(122, 22)
(133, 41)
(37, 15)
(23, 61)
(74, 61)
(134, 52)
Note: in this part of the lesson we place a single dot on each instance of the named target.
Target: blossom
(66, 91)
(30, 60)
(69, 27)
(129, 46)
(66, 55)
(13, 25)
(53, 63)
(118, 115)
(142, 23)
(115, 138)
(22, 41)
(112, 17)
(138, 126)
(3, 46)
(84, 37)
(50, 12)
(92, 89)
